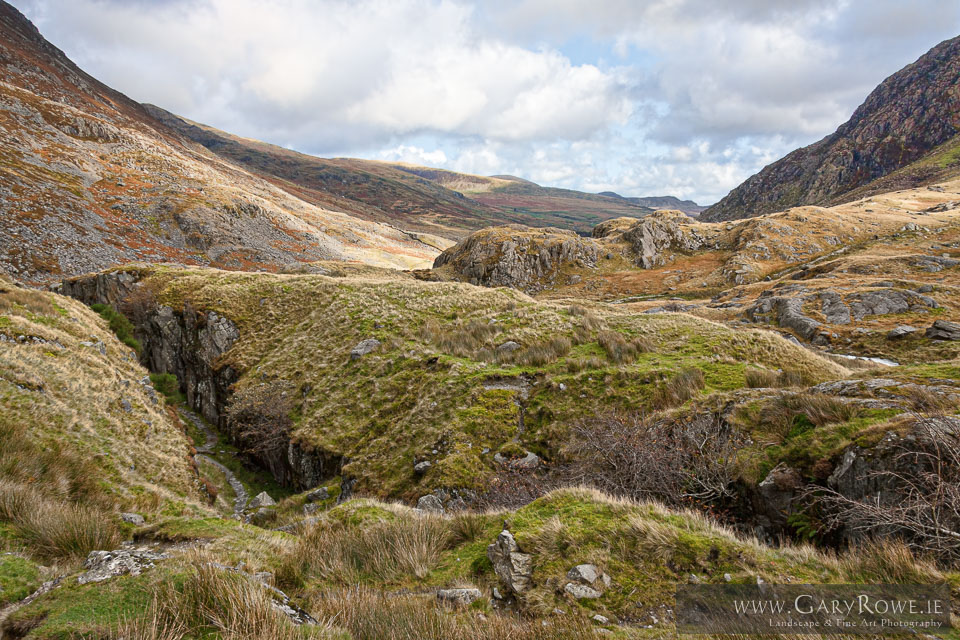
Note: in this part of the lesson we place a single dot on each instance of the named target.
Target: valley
(251, 393)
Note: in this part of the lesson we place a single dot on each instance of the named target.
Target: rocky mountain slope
(438, 201)
(88, 179)
(902, 136)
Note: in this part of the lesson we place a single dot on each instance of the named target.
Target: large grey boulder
(363, 348)
(514, 568)
(430, 503)
(944, 330)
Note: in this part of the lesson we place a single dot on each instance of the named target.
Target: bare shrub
(917, 496)
(679, 388)
(677, 462)
(513, 488)
(259, 417)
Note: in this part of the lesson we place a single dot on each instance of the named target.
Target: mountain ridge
(905, 119)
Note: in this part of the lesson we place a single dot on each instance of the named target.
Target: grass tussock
(463, 339)
(678, 388)
(370, 615)
(212, 600)
(791, 414)
(385, 550)
(619, 350)
(766, 379)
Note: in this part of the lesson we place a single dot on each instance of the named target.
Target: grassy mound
(438, 388)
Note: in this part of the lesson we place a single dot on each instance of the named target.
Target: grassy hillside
(437, 388)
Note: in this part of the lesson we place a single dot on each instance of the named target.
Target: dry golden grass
(63, 426)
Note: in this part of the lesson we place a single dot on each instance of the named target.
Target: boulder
(422, 467)
(944, 330)
(514, 568)
(104, 565)
(364, 347)
(581, 591)
(430, 503)
(588, 574)
(133, 518)
(528, 462)
(459, 596)
(508, 347)
(900, 332)
(318, 495)
(262, 499)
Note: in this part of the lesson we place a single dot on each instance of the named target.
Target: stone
(262, 499)
(513, 567)
(133, 518)
(461, 597)
(104, 565)
(126, 406)
(318, 495)
(581, 591)
(430, 503)
(900, 332)
(422, 467)
(528, 462)
(312, 507)
(364, 347)
(508, 347)
(944, 330)
(584, 573)
(600, 619)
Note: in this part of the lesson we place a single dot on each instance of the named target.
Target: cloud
(644, 97)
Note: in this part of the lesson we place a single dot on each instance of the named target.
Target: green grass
(19, 577)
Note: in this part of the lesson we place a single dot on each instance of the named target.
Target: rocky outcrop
(190, 344)
(514, 568)
(944, 330)
(517, 256)
(656, 238)
(905, 118)
(104, 565)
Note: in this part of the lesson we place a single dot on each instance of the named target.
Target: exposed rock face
(908, 115)
(657, 236)
(516, 256)
(943, 330)
(189, 343)
(514, 568)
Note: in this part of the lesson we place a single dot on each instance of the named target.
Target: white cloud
(644, 97)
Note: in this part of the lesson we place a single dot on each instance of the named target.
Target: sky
(642, 97)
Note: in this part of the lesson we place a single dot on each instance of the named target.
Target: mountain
(659, 202)
(905, 134)
(90, 179)
(438, 201)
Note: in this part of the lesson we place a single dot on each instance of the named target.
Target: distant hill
(444, 202)
(659, 202)
(904, 135)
